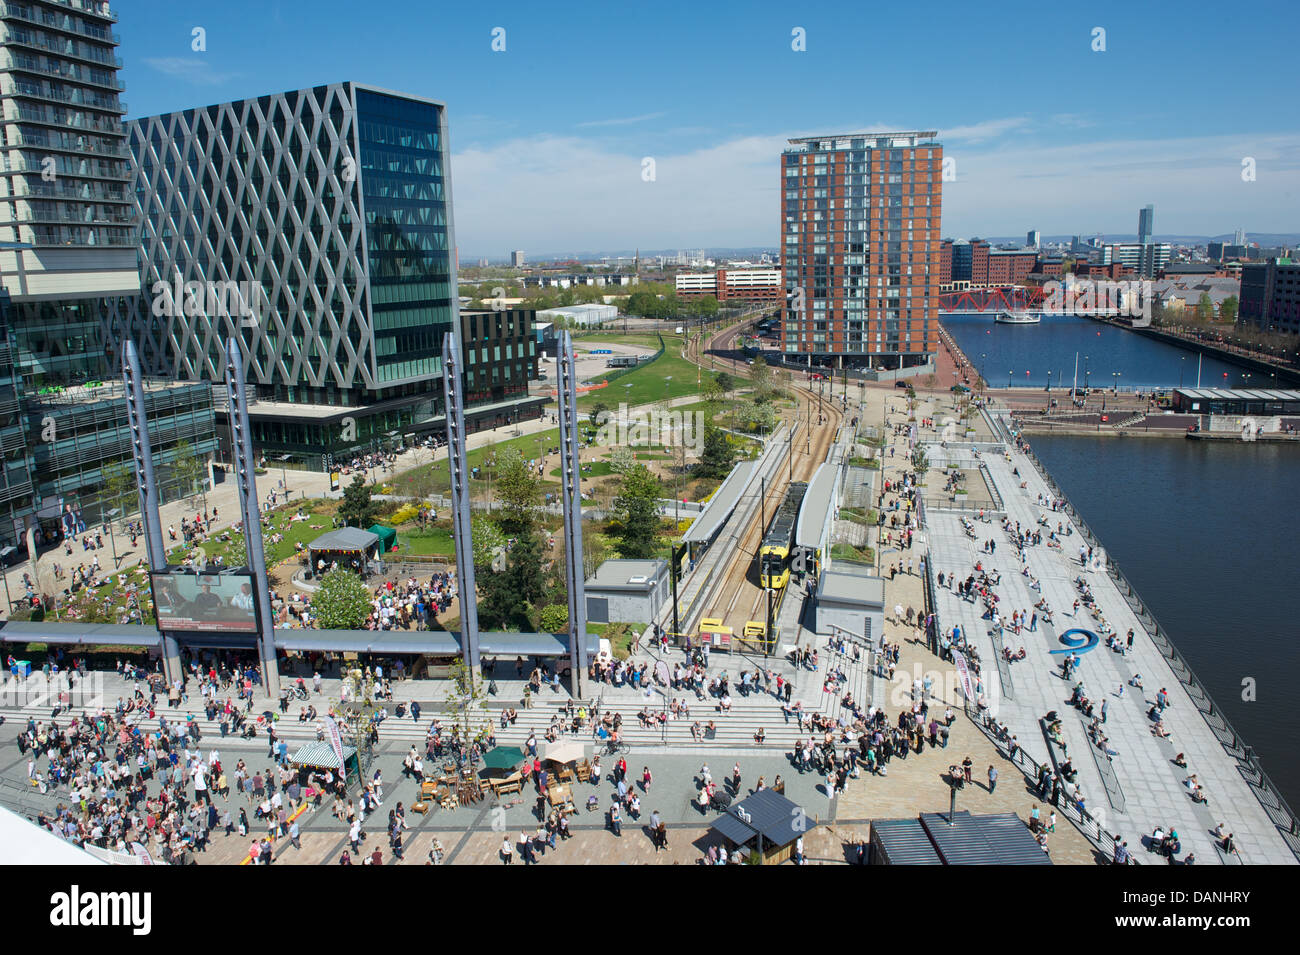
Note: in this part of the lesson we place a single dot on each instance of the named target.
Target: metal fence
(1270, 798)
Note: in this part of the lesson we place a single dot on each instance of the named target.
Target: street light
(1181, 366)
(112, 516)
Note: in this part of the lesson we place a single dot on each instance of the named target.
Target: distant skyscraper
(1239, 237)
(1033, 238)
(517, 258)
(1146, 224)
(861, 247)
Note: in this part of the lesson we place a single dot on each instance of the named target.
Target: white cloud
(984, 131)
(575, 193)
(190, 69)
(622, 121)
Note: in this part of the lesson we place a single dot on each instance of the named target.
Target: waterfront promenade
(1144, 788)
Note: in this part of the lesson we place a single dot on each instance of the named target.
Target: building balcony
(67, 73)
(78, 99)
(83, 237)
(74, 120)
(47, 190)
(64, 23)
(23, 138)
(70, 51)
(72, 218)
(82, 171)
(94, 8)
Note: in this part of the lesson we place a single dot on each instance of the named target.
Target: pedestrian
(993, 778)
(646, 779)
(507, 851)
(294, 835)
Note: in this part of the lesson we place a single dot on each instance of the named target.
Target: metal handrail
(1235, 745)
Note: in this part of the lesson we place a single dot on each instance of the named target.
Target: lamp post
(112, 516)
(1182, 364)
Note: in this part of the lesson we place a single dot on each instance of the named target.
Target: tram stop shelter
(850, 601)
(765, 822)
(345, 545)
(901, 842)
(320, 755)
(991, 839)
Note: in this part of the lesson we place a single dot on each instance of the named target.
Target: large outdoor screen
(221, 603)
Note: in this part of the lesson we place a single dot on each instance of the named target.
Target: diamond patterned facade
(330, 208)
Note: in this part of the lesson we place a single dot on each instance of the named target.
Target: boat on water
(1017, 317)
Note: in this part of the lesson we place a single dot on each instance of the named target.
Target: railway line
(741, 598)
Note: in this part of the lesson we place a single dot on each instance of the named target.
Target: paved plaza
(1152, 790)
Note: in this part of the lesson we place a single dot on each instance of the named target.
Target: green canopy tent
(387, 537)
(502, 757)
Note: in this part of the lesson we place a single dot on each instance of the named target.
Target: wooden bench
(583, 771)
(508, 786)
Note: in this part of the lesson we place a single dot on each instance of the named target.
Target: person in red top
(646, 779)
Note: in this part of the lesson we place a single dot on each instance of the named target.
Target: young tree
(726, 382)
(760, 377)
(1228, 309)
(519, 490)
(357, 509)
(120, 487)
(506, 595)
(718, 454)
(466, 696)
(636, 513)
(342, 602)
(622, 459)
(597, 410)
(920, 463)
(487, 541)
(186, 467)
(1205, 307)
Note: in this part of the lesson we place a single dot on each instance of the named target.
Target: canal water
(1206, 533)
(1029, 353)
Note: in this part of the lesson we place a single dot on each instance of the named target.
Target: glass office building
(325, 215)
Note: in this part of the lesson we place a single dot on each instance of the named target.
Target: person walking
(993, 778)
(507, 851)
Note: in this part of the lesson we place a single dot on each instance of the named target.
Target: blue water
(1051, 346)
(1205, 532)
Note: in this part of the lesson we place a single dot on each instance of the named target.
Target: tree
(487, 541)
(707, 307)
(622, 459)
(712, 393)
(342, 602)
(555, 618)
(726, 382)
(718, 454)
(760, 377)
(186, 466)
(507, 595)
(120, 487)
(920, 463)
(636, 513)
(466, 695)
(1205, 307)
(357, 509)
(519, 490)
(597, 410)
(1228, 309)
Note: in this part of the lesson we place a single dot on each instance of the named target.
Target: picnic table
(559, 796)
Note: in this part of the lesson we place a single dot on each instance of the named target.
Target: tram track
(741, 599)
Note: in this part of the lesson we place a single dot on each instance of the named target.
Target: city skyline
(1047, 157)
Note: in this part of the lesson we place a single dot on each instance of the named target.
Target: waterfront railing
(1265, 791)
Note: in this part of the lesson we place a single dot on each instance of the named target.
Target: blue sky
(549, 137)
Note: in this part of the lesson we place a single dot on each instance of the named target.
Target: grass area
(434, 542)
(594, 469)
(872, 464)
(406, 483)
(855, 555)
(859, 516)
(648, 383)
(598, 339)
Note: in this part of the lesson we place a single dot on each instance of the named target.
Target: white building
(581, 316)
(517, 258)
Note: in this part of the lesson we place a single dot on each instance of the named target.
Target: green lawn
(594, 469)
(434, 542)
(647, 383)
(527, 445)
